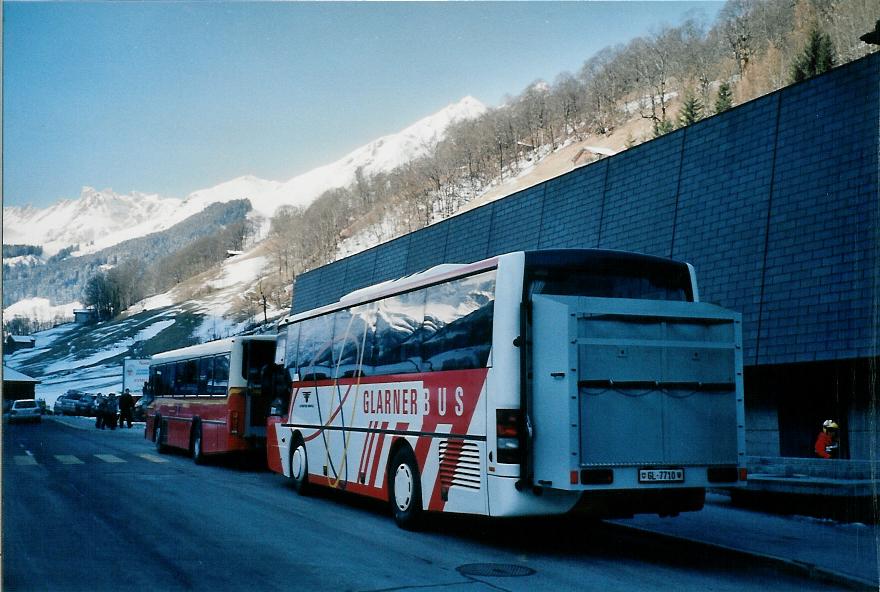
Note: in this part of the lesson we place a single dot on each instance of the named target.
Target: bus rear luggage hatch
(633, 393)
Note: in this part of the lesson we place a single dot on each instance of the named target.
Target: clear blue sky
(172, 97)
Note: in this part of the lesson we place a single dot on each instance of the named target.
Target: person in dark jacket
(112, 409)
(100, 411)
(126, 404)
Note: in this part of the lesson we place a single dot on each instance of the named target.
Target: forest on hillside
(671, 78)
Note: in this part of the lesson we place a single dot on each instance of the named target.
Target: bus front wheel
(299, 467)
(406, 490)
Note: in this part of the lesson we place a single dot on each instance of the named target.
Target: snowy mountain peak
(102, 218)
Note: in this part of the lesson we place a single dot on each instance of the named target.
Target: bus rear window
(633, 278)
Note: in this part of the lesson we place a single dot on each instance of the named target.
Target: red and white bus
(208, 398)
(528, 383)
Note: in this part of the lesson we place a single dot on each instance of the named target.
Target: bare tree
(607, 77)
(654, 61)
(568, 104)
(739, 29)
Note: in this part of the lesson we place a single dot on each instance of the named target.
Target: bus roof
(206, 349)
(446, 271)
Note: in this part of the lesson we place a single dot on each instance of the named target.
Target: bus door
(258, 367)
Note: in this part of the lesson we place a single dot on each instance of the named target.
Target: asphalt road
(100, 510)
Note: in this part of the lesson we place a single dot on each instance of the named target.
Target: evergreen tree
(664, 126)
(724, 101)
(817, 57)
(691, 111)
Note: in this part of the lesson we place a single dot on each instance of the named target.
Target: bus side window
(206, 369)
(186, 378)
(353, 342)
(459, 318)
(221, 376)
(167, 371)
(399, 333)
(154, 380)
(315, 354)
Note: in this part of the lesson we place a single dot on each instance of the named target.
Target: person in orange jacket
(827, 444)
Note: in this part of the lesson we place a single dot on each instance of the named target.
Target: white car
(24, 410)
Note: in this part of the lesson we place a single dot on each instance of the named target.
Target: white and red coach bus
(528, 383)
(208, 398)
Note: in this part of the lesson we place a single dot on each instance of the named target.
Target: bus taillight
(233, 429)
(507, 430)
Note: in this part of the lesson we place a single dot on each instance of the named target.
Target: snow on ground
(40, 309)
(240, 270)
(98, 379)
(151, 303)
(152, 330)
(601, 150)
(23, 260)
(69, 363)
(120, 347)
(43, 341)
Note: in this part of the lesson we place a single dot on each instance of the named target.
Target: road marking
(153, 458)
(25, 460)
(109, 458)
(68, 459)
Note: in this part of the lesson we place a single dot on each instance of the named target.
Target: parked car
(58, 407)
(69, 402)
(23, 410)
(139, 411)
(86, 405)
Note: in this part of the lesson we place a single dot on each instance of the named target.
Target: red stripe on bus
(365, 452)
(377, 456)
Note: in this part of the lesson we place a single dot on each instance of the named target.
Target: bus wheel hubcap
(403, 486)
(296, 464)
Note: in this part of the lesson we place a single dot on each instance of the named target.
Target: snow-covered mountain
(88, 221)
(99, 219)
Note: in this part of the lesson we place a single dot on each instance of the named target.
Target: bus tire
(159, 434)
(198, 454)
(405, 490)
(299, 466)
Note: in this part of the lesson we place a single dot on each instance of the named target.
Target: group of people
(110, 409)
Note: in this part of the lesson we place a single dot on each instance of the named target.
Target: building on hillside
(13, 343)
(84, 316)
(17, 385)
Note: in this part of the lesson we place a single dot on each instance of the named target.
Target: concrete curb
(810, 570)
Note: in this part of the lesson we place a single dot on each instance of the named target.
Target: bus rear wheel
(405, 493)
(198, 455)
(299, 467)
(160, 434)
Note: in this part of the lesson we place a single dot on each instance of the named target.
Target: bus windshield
(609, 275)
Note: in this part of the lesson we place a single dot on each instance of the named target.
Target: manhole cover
(494, 570)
